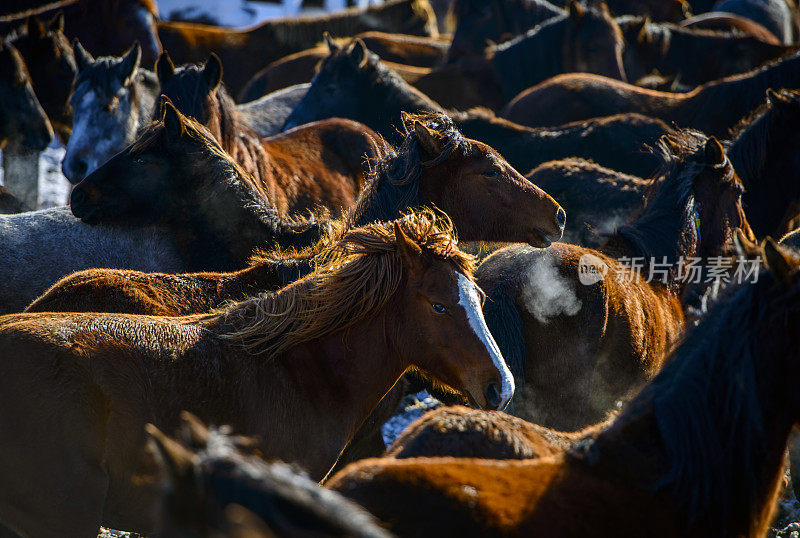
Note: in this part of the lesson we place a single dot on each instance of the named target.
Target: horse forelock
(393, 185)
(353, 280)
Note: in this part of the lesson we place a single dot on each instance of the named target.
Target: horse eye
(139, 160)
(439, 308)
(491, 172)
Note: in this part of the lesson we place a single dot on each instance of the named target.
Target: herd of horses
(276, 234)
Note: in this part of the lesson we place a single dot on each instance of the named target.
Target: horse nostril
(493, 396)
(78, 197)
(561, 218)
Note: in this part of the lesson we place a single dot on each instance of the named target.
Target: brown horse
(245, 52)
(692, 57)
(731, 23)
(23, 123)
(51, 64)
(462, 432)
(313, 167)
(411, 57)
(315, 357)
(104, 27)
(578, 345)
(178, 177)
(213, 478)
(435, 166)
(700, 451)
(713, 108)
(582, 40)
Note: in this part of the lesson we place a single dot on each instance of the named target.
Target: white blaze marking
(470, 302)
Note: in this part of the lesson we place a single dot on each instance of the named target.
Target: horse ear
(177, 459)
(409, 251)
(780, 263)
(575, 10)
(56, 24)
(745, 248)
(194, 430)
(164, 68)
(82, 58)
(640, 27)
(212, 72)
(35, 27)
(173, 120)
(427, 141)
(358, 53)
(332, 46)
(129, 64)
(715, 154)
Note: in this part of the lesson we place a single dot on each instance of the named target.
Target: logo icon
(591, 269)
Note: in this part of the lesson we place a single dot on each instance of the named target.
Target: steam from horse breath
(548, 294)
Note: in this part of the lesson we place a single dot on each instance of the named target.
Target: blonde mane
(354, 279)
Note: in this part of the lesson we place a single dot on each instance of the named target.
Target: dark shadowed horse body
(105, 27)
(692, 57)
(582, 40)
(9, 204)
(713, 108)
(51, 64)
(774, 15)
(617, 330)
(23, 123)
(215, 484)
(245, 52)
(354, 83)
(764, 152)
(700, 451)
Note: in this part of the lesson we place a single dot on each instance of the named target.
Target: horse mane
(665, 225)
(394, 183)
(706, 406)
(188, 91)
(354, 279)
(751, 138)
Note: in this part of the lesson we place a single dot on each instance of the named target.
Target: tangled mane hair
(394, 184)
(706, 402)
(354, 279)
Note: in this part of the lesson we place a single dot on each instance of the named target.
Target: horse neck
(222, 232)
(266, 275)
(527, 60)
(740, 94)
(330, 386)
(708, 435)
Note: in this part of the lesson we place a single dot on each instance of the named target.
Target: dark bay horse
(105, 27)
(616, 329)
(245, 52)
(582, 40)
(712, 108)
(435, 166)
(315, 166)
(597, 199)
(699, 452)
(215, 484)
(9, 204)
(403, 51)
(777, 16)
(691, 56)
(48, 55)
(23, 123)
(763, 150)
(112, 99)
(318, 355)
(353, 83)
(177, 176)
